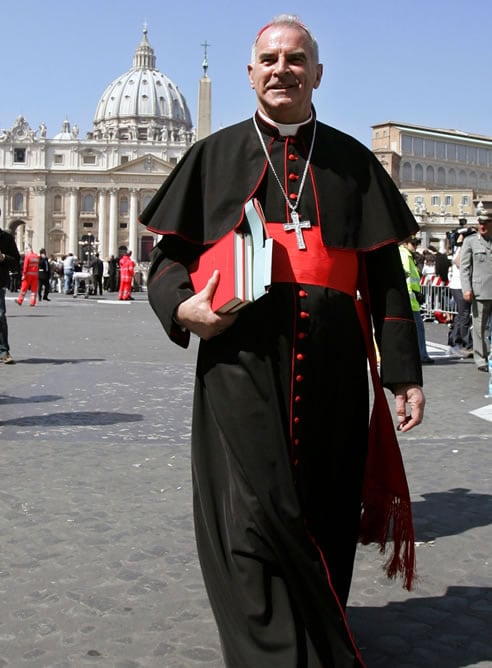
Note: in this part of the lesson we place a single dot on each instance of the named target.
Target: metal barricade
(439, 303)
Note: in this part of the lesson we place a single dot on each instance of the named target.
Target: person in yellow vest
(407, 250)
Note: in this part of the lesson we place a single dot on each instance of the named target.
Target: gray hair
(291, 21)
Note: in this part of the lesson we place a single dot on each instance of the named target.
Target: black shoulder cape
(204, 196)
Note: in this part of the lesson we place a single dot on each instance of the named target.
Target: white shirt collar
(285, 129)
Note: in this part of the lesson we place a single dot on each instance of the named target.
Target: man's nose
(282, 65)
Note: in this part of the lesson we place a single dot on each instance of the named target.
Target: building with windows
(445, 175)
(69, 194)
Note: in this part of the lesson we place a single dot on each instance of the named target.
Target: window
(462, 153)
(123, 226)
(19, 154)
(429, 148)
(465, 200)
(89, 159)
(429, 175)
(58, 159)
(435, 200)
(472, 155)
(419, 173)
(57, 204)
(418, 146)
(123, 206)
(448, 200)
(441, 176)
(452, 177)
(406, 171)
(462, 178)
(124, 159)
(88, 203)
(441, 150)
(406, 144)
(145, 201)
(451, 151)
(18, 202)
(482, 156)
(418, 199)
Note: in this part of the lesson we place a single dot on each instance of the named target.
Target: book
(243, 257)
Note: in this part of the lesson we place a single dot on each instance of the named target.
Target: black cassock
(280, 418)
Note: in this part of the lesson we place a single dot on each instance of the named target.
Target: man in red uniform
(127, 272)
(30, 272)
(283, 458)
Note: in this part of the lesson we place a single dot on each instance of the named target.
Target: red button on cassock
(304, 315)
(302, 293)
(293, 196)
(298, 399)
(293, 156)
(293, 177)
(299, 357)
(297, 420)
(299, 378)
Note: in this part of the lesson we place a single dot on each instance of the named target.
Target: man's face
(485, 228)
(284, 74)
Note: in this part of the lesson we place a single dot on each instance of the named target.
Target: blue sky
(424, 62)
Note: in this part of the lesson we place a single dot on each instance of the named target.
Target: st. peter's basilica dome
(142, 104)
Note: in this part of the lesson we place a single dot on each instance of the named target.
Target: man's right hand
(196, 314)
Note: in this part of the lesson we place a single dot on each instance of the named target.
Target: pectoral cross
(296, 225)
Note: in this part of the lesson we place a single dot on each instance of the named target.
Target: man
(9, 262)
(97, 274)
(460, 335)
(68, 272)
(280, 418)
(476, 283)
(44, 276)
(407, 251)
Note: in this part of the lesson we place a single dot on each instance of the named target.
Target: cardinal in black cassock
(281, 407)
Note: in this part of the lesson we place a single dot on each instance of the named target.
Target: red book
(226, 255)
(243, 257)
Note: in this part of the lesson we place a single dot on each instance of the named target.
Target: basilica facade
(84, 195)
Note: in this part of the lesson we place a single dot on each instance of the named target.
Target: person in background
(476, 283)
(282, 456)
(127, 272)
(97, 274)
(460, 337)
(30, 273)
(112, 274)
(9, 262)
(407, 250)
(44, 276)
(68, 271)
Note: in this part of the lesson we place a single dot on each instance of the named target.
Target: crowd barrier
(438, 301)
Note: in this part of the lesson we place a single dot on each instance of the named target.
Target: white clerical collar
(285, 129)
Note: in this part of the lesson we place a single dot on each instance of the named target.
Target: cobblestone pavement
(98, 564)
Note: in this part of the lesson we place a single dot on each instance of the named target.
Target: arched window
(462, 178)
(19, 202)
(406, 172)
(441, 176)
(88, 203)
(473, 180)
(429, 175)
(452, 177)
(419, 173)
(145, 201)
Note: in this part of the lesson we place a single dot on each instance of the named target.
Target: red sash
(317, 265)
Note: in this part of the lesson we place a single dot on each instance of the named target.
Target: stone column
(73, 235)
(3, 208)
(101, 230)
(38, 217)
(133, 231)
(113, 223)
